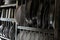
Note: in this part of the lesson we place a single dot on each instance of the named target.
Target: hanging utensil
(7, 13)
(20, 15)
(24, 36)
(32, 36)
(11, 31)
(36, 36)
(12, 13)
(2, 13)
(1, 29)
(21, 35)
(28, 36)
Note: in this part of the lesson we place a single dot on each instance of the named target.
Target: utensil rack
(6, 19)
(21, 27)
(32, 29)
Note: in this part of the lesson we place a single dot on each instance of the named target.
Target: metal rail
(35, 29)
(8, 19)
(7, 5)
